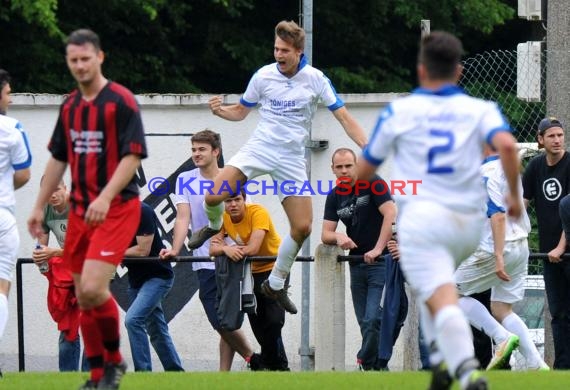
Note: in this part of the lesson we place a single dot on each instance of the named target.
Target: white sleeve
(20, 151)
(181, 193)
(252, 93)
(381, 139)
(493, 122)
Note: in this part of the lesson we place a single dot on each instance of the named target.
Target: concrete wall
(168, 115)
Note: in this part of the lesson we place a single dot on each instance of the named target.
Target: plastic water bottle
(43, 267)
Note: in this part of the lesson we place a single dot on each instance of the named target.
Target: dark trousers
(266, 325)
(557, 286)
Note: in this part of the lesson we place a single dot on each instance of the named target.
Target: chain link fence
(517, 82)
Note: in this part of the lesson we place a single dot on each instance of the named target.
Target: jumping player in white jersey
(500, 264)
(288, 92)
(437, 135)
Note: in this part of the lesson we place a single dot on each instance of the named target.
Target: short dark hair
(83, 36)
(343, 151)
(4, 78)
(241, 192)
(440, 53)
(291, 33)
(209, 137)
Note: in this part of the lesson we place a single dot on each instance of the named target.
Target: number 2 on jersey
(444, 148)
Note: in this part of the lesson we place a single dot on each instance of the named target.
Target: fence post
(411, 354)
(330, 322)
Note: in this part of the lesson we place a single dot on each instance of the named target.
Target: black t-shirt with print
(359, 213)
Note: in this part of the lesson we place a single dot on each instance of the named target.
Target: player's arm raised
(233, 112)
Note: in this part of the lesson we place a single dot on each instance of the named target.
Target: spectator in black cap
(546, 181)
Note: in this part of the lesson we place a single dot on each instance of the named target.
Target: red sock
(107, 317)
(93, 344)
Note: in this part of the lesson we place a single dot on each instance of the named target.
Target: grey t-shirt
(56, 222)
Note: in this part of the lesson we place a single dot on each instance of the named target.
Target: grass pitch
(279, 380)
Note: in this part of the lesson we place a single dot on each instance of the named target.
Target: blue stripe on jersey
(302, 62)
(493, 209)
(446, 90)
(339, 102)
(28, 162)
(246, 103)
(504, 127)
(490, 158)
(369, 158)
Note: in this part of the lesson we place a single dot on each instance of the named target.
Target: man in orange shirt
(251, 228)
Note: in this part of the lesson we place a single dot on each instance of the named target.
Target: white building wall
(195, 340)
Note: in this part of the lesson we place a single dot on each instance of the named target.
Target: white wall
(196, 342)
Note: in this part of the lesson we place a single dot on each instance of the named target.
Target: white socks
(3, 314)
(214, 214)
(516, 325)
(285, 258)
(480, 318)
(428, 330)
(453, 336)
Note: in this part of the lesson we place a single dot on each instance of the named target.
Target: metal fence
(517, 82)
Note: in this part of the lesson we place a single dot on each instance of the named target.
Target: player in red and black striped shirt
(99, 134)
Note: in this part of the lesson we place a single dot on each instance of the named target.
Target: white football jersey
(14, 155)
(288, 104)
(497, 187)
(437, 138)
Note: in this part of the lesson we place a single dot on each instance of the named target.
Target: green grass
(288, 381)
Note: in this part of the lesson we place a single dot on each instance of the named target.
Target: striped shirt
(93, 136)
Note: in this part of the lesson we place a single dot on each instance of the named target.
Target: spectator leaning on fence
(61, 299)
(368, 216)
(251, 228)
(15, 161)
(149, 283)
(206, 150)
(546, 181)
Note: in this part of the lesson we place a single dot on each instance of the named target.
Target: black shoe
(280, 296)
(254, 363)
(112, 375)
(440, 378)
(477, 381)
(201, 236)
(89, 385)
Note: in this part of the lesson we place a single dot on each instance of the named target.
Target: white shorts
(477, 273)
(287, 169)
(433, 241)
(9, 243)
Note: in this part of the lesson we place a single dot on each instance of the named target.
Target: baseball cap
(547, 123)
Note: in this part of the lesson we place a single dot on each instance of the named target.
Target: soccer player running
(437, 135)
(288, 91)
(99, 133)
(15, 161)
(500, 264)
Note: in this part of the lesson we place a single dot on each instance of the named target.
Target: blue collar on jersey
(302, 62)
(490, 158)
(446, 90)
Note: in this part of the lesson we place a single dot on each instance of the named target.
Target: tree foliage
(180, 46)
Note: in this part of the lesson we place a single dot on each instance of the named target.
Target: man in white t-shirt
(437, 135)
(288, 92)
(15, 161)
(189, 197)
